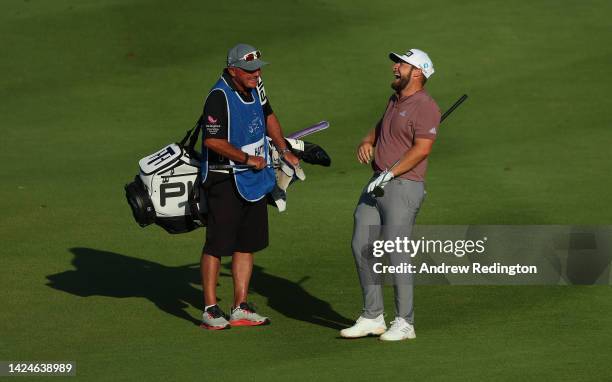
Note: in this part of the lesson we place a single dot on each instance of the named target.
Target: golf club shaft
(452, 108)
(234, 167)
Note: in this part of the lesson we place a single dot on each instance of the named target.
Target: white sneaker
(400, 330)
(365, 327)
(214, 319)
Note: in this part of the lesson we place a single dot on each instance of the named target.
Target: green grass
(89, 87)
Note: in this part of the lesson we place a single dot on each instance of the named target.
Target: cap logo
(408, 54)
(425, 65)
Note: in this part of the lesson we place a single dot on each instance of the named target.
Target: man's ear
(417, 72)
(231, 71)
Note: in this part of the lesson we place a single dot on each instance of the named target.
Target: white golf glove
(381, 180)
(291, 170)
(299, 173)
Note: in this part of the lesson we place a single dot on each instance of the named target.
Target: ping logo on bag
(174, 190)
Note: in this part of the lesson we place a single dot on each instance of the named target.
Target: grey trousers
(386, 218)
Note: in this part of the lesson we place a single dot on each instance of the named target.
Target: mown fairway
(89, 87)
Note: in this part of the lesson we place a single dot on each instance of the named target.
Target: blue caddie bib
(247, 132)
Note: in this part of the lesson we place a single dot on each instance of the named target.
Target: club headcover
(314, 154)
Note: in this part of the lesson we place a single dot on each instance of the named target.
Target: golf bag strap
(192, 135)
(193, 198)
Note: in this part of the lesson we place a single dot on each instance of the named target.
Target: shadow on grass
(293, 301)
(103, 273)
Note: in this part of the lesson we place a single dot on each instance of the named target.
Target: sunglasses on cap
(252, 56)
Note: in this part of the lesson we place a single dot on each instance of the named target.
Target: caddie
(399, 144)
(237, 117)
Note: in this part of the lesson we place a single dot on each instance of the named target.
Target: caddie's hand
(381, 180)
(291, 159)
(257, 162)
(365, 152)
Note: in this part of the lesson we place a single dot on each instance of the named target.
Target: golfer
(399, 145)
(237, 117)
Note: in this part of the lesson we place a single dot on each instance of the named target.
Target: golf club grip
(452, 108)
(309, 130)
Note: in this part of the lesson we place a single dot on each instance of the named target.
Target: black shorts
(234, 224)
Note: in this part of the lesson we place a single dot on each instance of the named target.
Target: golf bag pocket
(160, 160)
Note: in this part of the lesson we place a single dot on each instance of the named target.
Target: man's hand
(365, 152)
(257, 162)
(381, 180)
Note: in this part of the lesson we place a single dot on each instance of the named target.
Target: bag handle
(192, 135)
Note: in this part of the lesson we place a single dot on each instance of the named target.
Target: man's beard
(399, 84)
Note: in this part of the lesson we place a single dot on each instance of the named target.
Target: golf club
(235, 166)
(296, 135)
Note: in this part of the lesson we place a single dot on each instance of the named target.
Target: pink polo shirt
(405, 119)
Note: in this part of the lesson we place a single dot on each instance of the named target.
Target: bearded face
(403, 74)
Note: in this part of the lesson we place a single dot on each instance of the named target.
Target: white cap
(415, 57)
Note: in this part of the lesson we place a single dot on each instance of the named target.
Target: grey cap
(236, 57)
